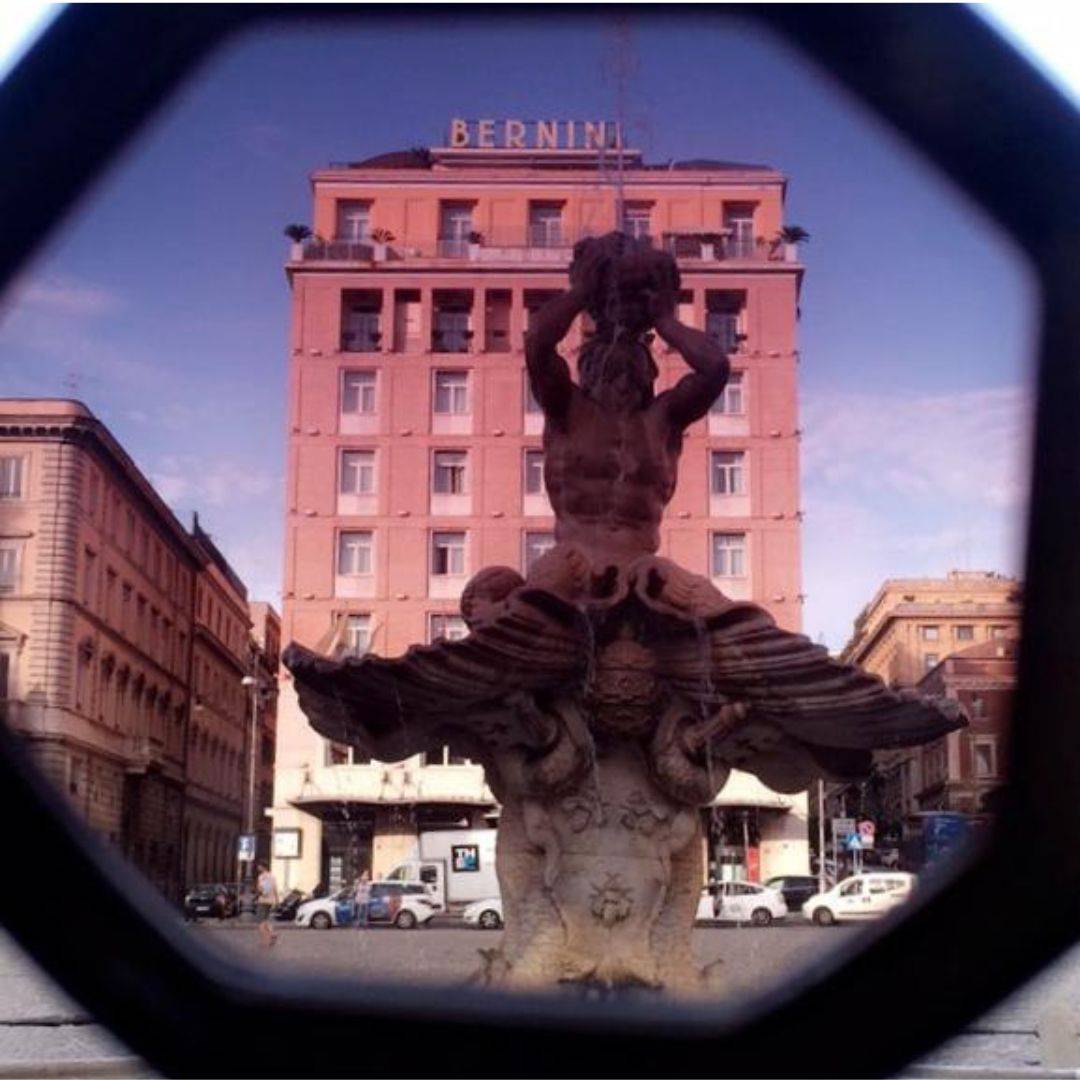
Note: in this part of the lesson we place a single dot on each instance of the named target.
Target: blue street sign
(854, 842)
(245, 847)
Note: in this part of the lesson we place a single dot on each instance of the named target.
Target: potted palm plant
(297, 234)
(791, 236)
(475, 240)
(380, 239)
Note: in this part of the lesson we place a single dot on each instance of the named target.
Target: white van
(862, 896)
(456, 867)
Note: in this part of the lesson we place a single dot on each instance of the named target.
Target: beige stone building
(218, 739)
(912, 624)
(123, 640)
(937, 635)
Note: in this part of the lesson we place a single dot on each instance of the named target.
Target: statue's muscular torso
(609, 475)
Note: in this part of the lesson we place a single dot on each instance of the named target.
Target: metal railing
(337, 251)
(549, 243)
(712, 247)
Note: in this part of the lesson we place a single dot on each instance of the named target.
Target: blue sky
(163, 304)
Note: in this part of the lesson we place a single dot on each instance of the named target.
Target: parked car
(213, 901)
(862, 896)
(290, 903)
(796, 889)
(395, 903)
(741, 902)
(485, 914)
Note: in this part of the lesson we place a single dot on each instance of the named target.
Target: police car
(393, 903)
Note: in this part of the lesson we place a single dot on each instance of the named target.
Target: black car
(286, 910)
(214, 901)
(796, 889)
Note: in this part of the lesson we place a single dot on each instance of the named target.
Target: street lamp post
(253, 684)
(821, 835)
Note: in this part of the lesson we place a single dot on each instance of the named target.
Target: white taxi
(741, 902)
(862, 896)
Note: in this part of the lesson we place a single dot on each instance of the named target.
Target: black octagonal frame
(1006, 138)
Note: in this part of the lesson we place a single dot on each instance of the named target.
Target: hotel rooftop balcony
(544, 247)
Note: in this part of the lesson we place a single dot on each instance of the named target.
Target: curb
(75, 1067)
(987, 1072)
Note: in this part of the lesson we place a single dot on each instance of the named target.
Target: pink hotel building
(414, 444)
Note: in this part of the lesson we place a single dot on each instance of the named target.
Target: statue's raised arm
(691, 398)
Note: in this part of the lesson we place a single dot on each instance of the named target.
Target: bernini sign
(534, 135)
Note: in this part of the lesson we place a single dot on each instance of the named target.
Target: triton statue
(609, 694)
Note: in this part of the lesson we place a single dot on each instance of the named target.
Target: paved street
(37, 1023)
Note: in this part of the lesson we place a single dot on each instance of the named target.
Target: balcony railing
(453, 247)
(335, 251)
(713, 247)
(550, 243)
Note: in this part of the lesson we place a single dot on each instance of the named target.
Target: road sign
(867, 830)
(841, 827)
(854, 842)
(245, 847)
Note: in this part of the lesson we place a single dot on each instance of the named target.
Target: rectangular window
(455, 224)
(9, 566)
(730, 402)
(361, 312)
(452, 392)
(498, 305)
(11, 477)
(93, 491)
(545, 225)
(446, 628)
(964, 633)
(450, 331)
(448, 472)
(637, 219)
(448, 554)
(110, 612)
(930, 660)
(353, 219)
(985, 759)
(729, 555)
(929, 633)
(537, 544)
(357, 635)
(739, 226)
(357, 472)
(999, 631)
(89, 577)
(358, 392)
(728, 475)
(354, 553)
(534, 472)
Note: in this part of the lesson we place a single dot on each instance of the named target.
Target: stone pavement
(43, 1033)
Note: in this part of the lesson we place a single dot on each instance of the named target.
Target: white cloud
(63, 296)
(189, 481)
(908, 485)
(971, 447)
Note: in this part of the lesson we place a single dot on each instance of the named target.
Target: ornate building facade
(101, 671)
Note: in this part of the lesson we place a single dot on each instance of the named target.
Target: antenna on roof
(621, 65)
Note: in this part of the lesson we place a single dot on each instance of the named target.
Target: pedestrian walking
(363, 899)
(266, 895)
